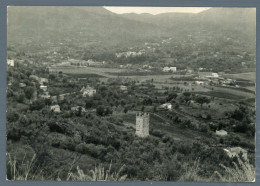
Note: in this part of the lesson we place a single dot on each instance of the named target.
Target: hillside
(102, 27)
(82, 24)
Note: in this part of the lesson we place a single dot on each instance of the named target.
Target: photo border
(162, 3)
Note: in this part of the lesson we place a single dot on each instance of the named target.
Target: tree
(171, 96)
(201, 100)
(29, 92)
(100, 110)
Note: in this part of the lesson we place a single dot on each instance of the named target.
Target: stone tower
(142, 124)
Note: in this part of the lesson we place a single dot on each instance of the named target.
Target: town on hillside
(176, 107)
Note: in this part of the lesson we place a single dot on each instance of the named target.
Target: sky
(154, 10)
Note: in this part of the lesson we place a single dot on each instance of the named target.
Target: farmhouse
(45, 95)
(235, 151)
(10, 62)
(169, 69)
(123, 88)
(55, 108)
(34, 77)
(166, 106)
(22, 85)
(43, 80)
(88, 91)
(221, 132)
(199, 82)
(208, 75)
(44, 88)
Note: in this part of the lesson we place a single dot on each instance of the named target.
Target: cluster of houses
(129, 54)
(206, 78)
(89, 62)
(88, 91)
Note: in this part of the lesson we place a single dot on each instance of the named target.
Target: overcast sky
(154, 10)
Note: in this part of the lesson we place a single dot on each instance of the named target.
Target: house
(34, 77)
(167, 106)
(215, 75)
(88, 91)
(208, 75)
(22, 85)
(44, 88)
(235, 151)
(10, 62)
(43, 80)
(75, 109)
(221, 132)
(199, 82)
(61, 97)
(45, 96)
(55, 108)
(123, 88)
(169, 69)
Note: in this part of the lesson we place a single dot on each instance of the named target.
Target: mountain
(241, 19)
(80, 24)
(96, 25)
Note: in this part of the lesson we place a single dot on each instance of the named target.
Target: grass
(220, 94)
(98, 174)
(85, 75)
(24, 171)
(242, 171)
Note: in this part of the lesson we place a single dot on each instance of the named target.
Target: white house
(44, 88)
(215, 75)
(221, 132)
(122, 87)
(22, 85)
(88, 91)
(167, 106)
(55, 108)
(169, 69)
(199, 82)
(10, 62)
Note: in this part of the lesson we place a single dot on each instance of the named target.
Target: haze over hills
(88, 24)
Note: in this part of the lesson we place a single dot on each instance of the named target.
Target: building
(199, 82)
(44, 88)
(167, 106)
(34, 77)
(55, 108)
(142, 124)
(235, 151)
(88, 91)
(45, 95)
(169, 69)
(221, 132)
(10, 62)
(76, 109)
(208, 75)
(43, 81)
(123, 88)
(22, 85)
